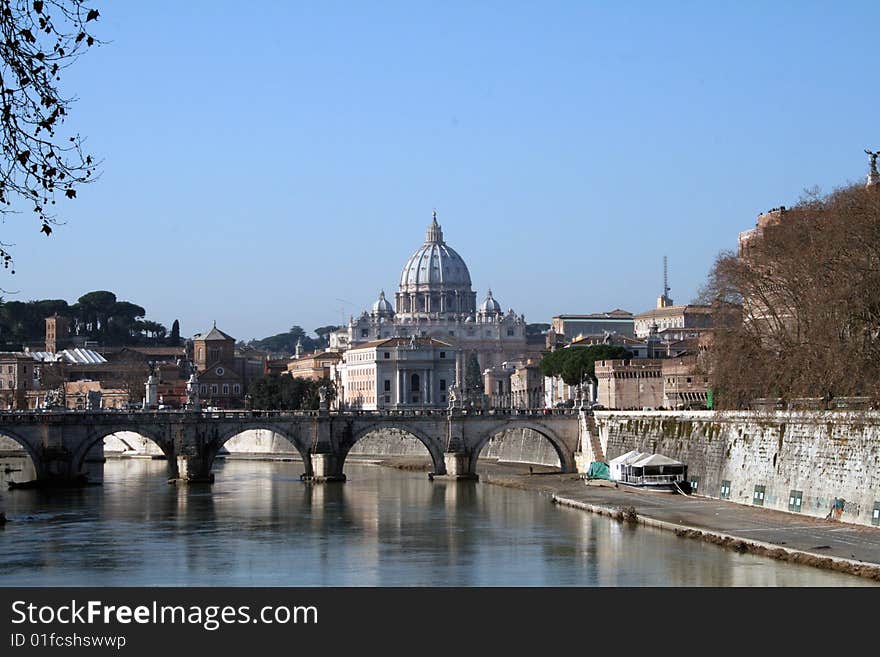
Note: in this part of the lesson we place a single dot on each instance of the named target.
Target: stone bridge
(59, 442)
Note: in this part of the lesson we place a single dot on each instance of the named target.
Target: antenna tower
(665, 277)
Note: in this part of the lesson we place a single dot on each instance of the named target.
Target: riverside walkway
(787, 536)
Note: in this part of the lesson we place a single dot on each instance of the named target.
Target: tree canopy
(285, 343)
(97, 315)
(40, 40)
(286, 393)
(575, 364)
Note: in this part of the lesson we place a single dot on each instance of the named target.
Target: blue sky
(260, 165)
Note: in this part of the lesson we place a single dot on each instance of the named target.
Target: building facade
(313, 367)
(677, 322)
(396, 373)
(18, 375)
(685, 383)
(630, 384)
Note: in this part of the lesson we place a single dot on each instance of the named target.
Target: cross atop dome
(435, 233)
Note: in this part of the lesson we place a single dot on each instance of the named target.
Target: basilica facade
(435, 299)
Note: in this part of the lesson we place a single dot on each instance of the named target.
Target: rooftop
(401, 342)
(669, 311)
(617, 313)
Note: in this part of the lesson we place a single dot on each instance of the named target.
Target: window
(203, 389)
(213, 388)
(225, 388)
(758, 495)
(387, 354)
(795, 500)
(442, 384)
(442, 354)
(364, 333)
(510, 331)
(725, 490)
(387, 399)
(387, 385)
(236, 389)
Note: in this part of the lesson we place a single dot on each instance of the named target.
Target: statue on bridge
(192, 389)
(873, 174)
(326, 394)
(54, 398)
(453, 396)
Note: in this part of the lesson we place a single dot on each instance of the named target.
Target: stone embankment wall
(812, 456)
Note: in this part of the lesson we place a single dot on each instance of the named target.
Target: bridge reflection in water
(259, 525)
(60, 444)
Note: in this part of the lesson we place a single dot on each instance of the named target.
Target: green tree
(122, 318)
(323, 332)
(174, 340)
(285, 343)
(473, 375)
(285, 393)
(40, 40)
(577, 364)
(94, 308)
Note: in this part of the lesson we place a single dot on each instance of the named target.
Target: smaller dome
(382, 307)
(490, 305)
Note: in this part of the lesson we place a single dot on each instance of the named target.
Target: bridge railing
(41, 415)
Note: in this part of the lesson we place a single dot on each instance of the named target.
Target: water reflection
(260, 525)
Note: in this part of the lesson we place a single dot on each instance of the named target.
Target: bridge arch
(101, 432)
(563, 452)
(286, 432)
(435, 449)
(31, 450)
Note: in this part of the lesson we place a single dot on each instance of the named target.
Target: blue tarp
(598, 470)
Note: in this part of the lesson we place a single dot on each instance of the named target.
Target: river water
(259, 525)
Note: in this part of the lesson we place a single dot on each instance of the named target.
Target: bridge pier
(327, 467)
(459, 467)
(193, 470)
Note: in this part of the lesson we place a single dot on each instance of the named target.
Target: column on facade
(429, 386)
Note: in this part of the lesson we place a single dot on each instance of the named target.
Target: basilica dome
(435, 279)
(435, 263)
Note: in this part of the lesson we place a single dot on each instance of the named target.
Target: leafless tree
(39, 39)
(809, 284)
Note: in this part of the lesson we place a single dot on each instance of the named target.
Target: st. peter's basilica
(435, 299)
